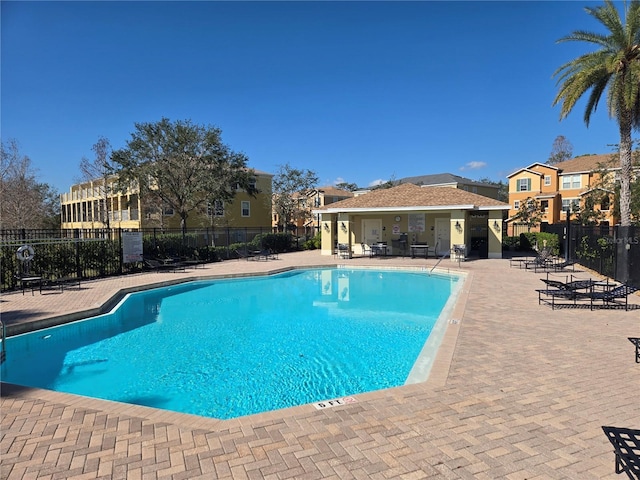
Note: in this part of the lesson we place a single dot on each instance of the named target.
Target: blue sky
(356, 91)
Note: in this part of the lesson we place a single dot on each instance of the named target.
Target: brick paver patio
(517, 391)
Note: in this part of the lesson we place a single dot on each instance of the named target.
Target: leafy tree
(530, 213)
(182, 165)
(350, 187)
(24, 202)
(606, 182)
(588, 213)
(288, 185)
(101, 167)
(392, 182)
(561, 150)
(615, 67)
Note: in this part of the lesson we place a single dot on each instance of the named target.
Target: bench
(626, 446)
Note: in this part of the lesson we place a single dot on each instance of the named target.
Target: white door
(372, 231)
(443, 236)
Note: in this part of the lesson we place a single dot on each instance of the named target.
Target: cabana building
(413, 220)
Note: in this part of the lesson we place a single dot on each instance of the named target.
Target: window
(168, 211)
(574, 203)
(524, 185)
(544, 205)
(605, 203)
(245, 209)
(516, 205)
(547, 180)
(474, 189)
(215, 210)
(571, 181)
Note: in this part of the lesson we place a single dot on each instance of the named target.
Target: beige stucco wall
(346, 228)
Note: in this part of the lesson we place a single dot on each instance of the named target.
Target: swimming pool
(233, 347)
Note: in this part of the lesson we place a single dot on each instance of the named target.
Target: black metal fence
(612, 251)
(86, 254)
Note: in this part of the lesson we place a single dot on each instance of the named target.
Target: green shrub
(511, 242)
(276, 242)
(550, 240)
(538, 240)
(313, 243)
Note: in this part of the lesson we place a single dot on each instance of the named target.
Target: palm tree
(614, 67)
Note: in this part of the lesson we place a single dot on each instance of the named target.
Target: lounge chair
(549, 296)
(245, 253)
(525, 262)
(570, 286)
(366, 249)
(553, 264)
(618, 296)
(543, 260)
(626, 446)
(265, 254)
(636, 342)
(157, 265)
(560, 266)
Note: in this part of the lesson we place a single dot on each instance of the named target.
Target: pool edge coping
(438, 372)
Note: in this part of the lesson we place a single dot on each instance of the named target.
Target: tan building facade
(408, 219)
(562, 187)
(87, 206)
(455, 181)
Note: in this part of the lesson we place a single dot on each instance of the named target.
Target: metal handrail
(3, 350)
(435, 249)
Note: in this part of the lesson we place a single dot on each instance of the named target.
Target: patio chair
(549, 296)
(626, 446)
(343, 250)
(524, 261)
(157, 265)
(566, 264)
(570, 286)
(543, 260)
(245, 253)
(555, 265)
(366, 249)
(636, 342)
(618, 296)
(265, 254)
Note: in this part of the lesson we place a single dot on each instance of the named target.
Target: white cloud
(375, 183)
(474, 166)
(338, 181)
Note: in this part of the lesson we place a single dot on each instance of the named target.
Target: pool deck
(517, 391)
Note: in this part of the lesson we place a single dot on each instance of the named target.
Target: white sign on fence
(131, 247)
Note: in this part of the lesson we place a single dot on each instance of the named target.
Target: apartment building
(94, 205)
(315, 198)
(453, 181)
(563, 188)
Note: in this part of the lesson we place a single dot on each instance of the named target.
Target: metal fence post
(76, 240)
(121, 262)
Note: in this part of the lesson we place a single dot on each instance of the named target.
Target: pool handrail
(445, 255)
(3, 350)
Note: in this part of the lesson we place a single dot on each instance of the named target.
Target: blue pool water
(233, 347)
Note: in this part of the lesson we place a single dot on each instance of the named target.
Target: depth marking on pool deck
(336, 402)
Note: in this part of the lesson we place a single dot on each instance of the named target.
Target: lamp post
(567, 235)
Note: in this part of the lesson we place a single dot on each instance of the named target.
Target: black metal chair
(626, 446)
(618, 296)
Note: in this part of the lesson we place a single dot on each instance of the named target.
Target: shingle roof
(408, 195)
(336, 192)
(439, 179)
(588, 163)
